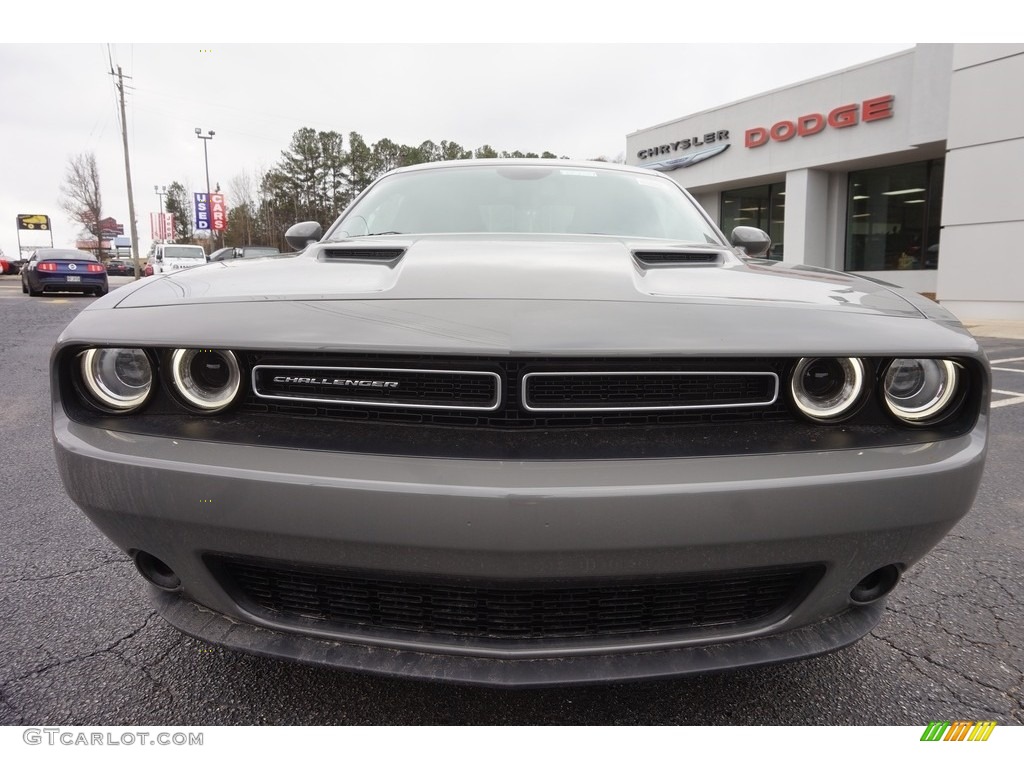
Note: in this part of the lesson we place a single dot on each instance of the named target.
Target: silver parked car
(521, 423)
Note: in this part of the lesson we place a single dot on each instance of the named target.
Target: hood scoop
(688, 257)
(362, 254)
(680, 258)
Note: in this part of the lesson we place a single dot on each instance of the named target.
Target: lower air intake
(510, 610)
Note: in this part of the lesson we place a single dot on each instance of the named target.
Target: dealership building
(909, 169)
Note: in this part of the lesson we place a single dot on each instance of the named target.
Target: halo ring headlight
(206, 379)
(918, 391)
(827, 388)
(117, 379)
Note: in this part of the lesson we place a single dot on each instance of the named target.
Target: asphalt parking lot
(79, 643)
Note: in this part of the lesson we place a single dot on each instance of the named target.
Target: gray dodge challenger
(521, 423)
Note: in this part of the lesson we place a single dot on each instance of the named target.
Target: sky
(573, 99)
(537, 75)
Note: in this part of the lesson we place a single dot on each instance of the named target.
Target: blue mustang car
(63, 269)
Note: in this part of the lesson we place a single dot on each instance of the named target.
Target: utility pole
(209, 202)
(128, 176)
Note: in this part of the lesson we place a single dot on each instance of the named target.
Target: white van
(168, 257)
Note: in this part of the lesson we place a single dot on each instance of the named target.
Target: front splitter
(823, 637)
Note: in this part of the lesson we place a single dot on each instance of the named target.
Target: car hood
(472, 267)
(470, 296)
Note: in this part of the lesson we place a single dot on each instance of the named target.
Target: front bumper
(851, 512)
(88, 282)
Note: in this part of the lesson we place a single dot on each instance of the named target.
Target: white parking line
(1011, 401)
(1009, 370)
(1007, 360)
(1015, 398)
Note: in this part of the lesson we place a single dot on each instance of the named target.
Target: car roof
(518, 161)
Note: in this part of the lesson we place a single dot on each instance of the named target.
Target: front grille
(509, 610)
(647, 390)
(718, 400)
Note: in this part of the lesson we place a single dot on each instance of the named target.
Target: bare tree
(241, 208)
(81, 199)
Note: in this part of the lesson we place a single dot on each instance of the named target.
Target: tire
(23, 288)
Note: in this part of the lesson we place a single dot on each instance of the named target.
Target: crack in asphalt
(915, 660)
(913, 657)
(75, 572)
(158, 686)
(82, 657)
(145, 669)
(995, 580)
(915, 618)
(5, 702)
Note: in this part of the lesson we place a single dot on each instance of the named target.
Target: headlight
(918, 391)
(117, 379)
(207, 379)
(827, 388)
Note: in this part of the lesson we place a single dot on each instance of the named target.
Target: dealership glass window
(763, 207)
(893, 217)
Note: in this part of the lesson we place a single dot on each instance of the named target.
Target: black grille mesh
(362, 254)
(678, 257)
(647, 390)
(509, 611)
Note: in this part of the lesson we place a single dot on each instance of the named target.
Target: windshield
(60, 253)
(526, 199)
(184, 252)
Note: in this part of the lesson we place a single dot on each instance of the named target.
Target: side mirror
(302, 234)
(753, 241)
(159, 257)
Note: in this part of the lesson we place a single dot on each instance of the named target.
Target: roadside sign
(161, 226)
(212, 215)
(33, 221)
